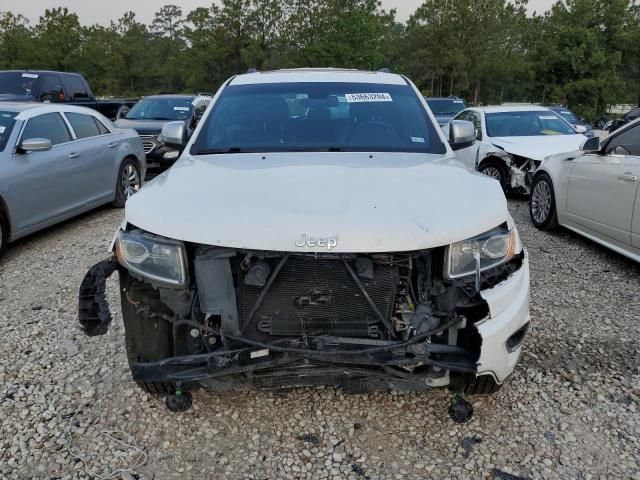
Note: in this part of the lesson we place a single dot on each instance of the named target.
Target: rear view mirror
(35, 145)
(174, 135)
(591, 145)
(462, 134)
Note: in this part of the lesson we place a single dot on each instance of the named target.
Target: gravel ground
(69, 410)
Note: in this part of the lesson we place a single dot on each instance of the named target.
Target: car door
(42, 188)
(95, 160)
(469, 155)
(603, 187)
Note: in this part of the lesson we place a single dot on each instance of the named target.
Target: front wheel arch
(499, 164)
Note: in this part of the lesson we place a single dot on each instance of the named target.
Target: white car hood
(365, 202)
(540, 147)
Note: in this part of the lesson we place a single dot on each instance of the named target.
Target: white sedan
(594, 192)
(513, 141)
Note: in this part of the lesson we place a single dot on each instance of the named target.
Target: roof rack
(384, 70)
(252, 70)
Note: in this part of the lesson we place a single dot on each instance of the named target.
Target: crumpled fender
(93, 310)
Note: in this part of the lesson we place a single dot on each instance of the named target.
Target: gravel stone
(569, 411)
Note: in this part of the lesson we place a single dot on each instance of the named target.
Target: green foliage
(585, 53)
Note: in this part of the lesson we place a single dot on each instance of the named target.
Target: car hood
(365, 202)
(540, 147)
(141, 126)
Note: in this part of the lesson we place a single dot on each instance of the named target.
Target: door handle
(112, 145)
(74, 155)
(628, 177)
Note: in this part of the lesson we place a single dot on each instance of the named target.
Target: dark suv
(150, 114)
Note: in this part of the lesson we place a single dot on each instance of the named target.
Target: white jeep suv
(317, 229)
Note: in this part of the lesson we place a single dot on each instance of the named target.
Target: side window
(475, 118)
(465, 115)
(51, 89)
(76, 88)
(103, 130)
(83, 125)
(626, 143)
(50, 126)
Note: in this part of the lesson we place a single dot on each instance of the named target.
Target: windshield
(161, 109)
(445, 106)
(526, 124)
(17, 83)
(318, 117)
(7, 119)
(567, 115)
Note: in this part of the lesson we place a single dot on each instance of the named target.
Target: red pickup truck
(57, 87)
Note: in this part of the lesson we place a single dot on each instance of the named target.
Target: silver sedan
(57, 161)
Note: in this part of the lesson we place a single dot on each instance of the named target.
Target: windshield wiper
(315, 149)
(220, 151)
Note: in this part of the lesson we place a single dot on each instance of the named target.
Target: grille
(317, 296)
(148, 143)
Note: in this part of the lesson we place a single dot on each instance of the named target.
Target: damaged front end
(520, 170)
(228, 318)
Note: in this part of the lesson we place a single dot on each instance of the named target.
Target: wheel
(146, 339)
(482, 385)
(542, 203)
(495, 170)
(4, 233)
(129, 181)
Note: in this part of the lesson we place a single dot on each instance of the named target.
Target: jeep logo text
(322, 242)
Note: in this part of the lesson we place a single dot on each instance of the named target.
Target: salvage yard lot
(570, 411)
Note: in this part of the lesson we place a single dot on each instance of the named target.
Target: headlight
(156, 258)
(494, 248)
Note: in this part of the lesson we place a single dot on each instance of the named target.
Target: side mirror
(462, 134)
(580, 129)
(174, 135)
(591, 145)
(35, 145)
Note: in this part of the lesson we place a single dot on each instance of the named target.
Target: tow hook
(180, 401)
(460, 410)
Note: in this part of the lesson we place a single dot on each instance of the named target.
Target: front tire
(495, 170)
(482, 385)
(542, 203)
(4, 233)
(129, 182)
(147, 339)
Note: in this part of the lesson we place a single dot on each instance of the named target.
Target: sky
(98, 11)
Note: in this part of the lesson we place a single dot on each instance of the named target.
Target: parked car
(513, 141)
(574, 120)
(594, 192)
(317, 229)
(57, 87)
(616, 123)
(445, 109)
(57, 161)
(150, 114)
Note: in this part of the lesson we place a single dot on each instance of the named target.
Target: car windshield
(526, 124)
(17, 83)
(7, 119)
(321, 116)
(161, 109)
(568, 116)
(445, 106)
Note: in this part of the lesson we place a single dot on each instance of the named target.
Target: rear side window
(50, 126)
(103, 130)
(83, 125)
(627, 142)
(51, 89)
(76, 88)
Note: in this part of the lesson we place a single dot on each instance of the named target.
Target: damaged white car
(317, 229)
(513, 141)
